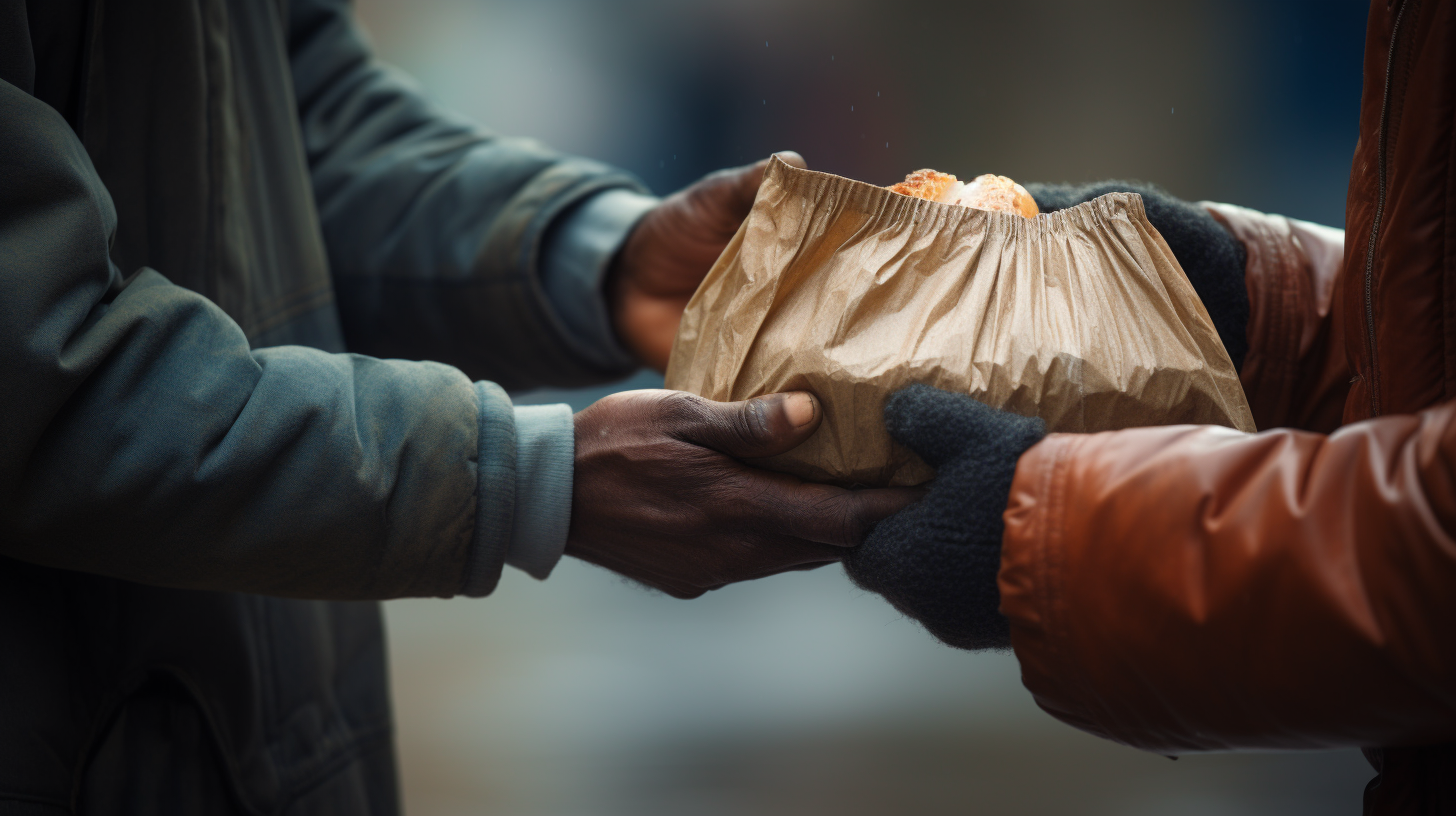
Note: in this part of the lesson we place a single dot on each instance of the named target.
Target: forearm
(437, 230)
(182, 459)
(144, 439)
(1183, 589)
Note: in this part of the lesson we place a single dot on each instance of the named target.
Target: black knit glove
(936, 560)
(1213, 259)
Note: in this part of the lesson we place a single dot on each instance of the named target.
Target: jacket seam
(1276, 294)
(1288, 326)
(1270, 299)
(1051, 555)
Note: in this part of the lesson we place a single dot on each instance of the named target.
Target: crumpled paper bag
(1082, 317)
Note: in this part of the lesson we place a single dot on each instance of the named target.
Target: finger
(780, 551)
(745, 181)
(647, 577)
(833, 515)
(790, 157)
(805, 567)
(757, 557)
(833, 555)
(942, 426)
(762, 426)
(777, 555)
(820, 565)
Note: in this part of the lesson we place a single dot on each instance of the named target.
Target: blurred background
(801, 695)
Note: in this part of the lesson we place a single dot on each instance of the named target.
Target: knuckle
(680, 409)
(852, 527)
(758, 504)
(838, 517)
(842, 524)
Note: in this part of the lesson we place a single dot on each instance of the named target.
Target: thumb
(936, 424)
(750, 178)
(942, 426)
(762, 426)
(741, 183)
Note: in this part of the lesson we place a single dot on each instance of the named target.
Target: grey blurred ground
(800, 695)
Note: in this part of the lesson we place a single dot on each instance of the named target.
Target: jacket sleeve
(1295, 374)
(1194, 588)
(435, 230)
(141, 438)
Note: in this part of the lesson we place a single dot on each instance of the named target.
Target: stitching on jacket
(1052, 556)
(1274, 296)
(1288, 326)
(1270, 303)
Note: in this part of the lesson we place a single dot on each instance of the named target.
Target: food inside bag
(988, 192)
(851, 291)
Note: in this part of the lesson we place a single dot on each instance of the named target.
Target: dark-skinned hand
(669, 252)
(662, 494)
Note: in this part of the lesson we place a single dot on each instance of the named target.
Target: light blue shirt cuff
(545, 458)
(575, 259)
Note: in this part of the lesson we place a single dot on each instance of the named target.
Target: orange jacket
(1192, 588)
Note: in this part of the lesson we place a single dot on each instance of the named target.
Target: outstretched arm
(144, 439)
(1190, 588)
(448, 242)
(1183, 589)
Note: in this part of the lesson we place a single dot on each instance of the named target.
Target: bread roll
(927, 184)
(988, 192)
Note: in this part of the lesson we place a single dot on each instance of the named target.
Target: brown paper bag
(1082, 317)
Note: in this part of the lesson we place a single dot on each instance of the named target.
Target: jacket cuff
(1033, 597)
(545, 455)
(495, 490)
(575, 258)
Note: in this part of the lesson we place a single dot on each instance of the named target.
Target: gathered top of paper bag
(1082, 317)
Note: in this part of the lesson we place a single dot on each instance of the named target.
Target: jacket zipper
(1379, 214)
